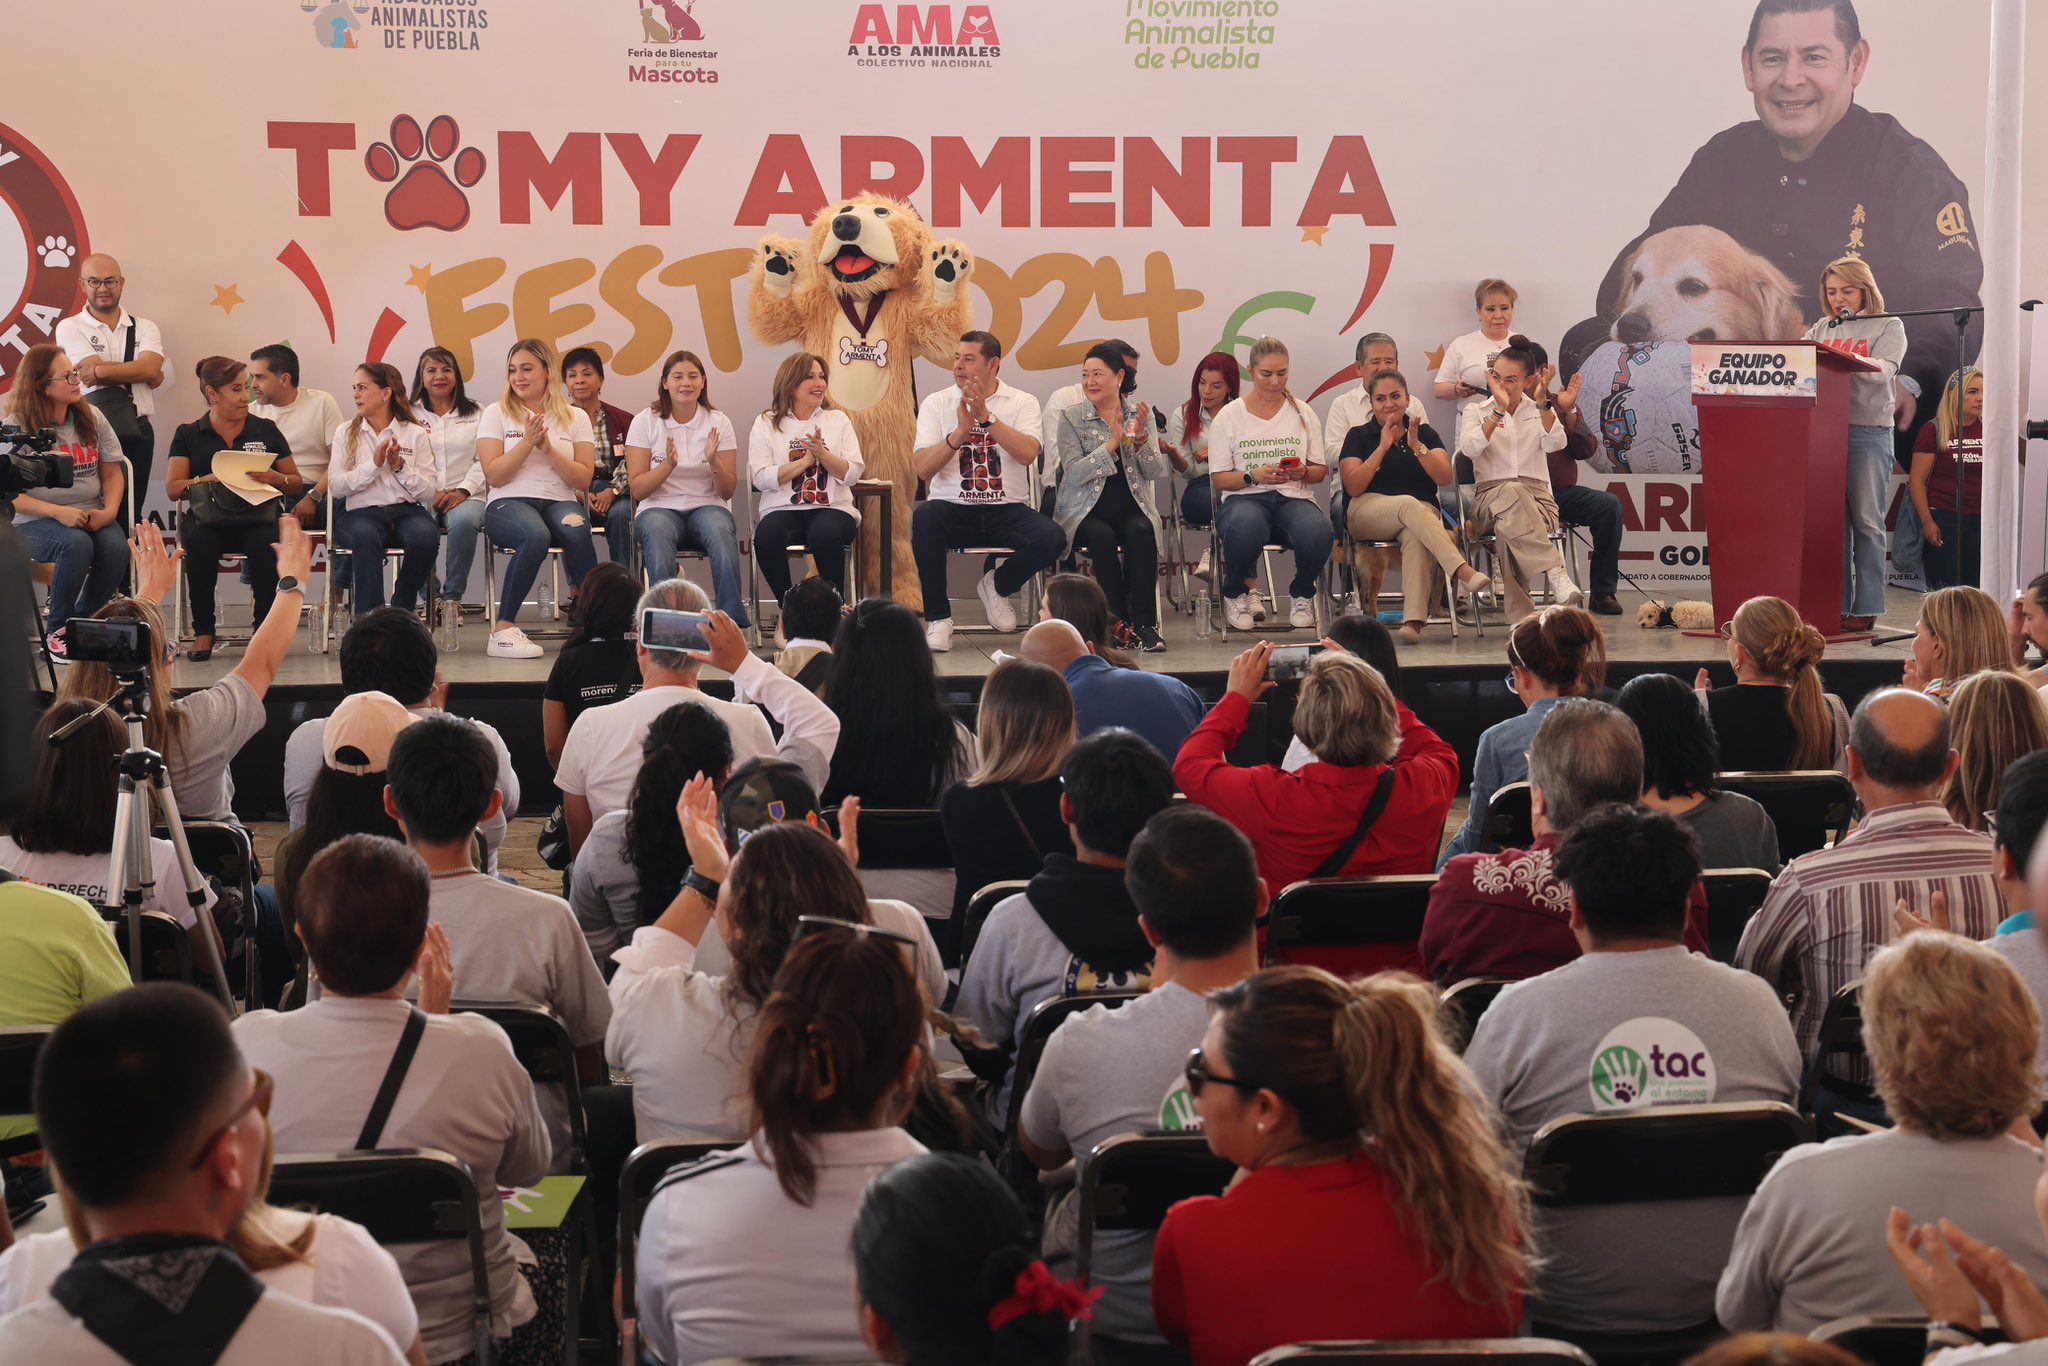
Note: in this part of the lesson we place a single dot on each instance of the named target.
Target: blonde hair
(1773, 1349)
(1971, 628)
(1273, 346)
(1952, 1032)
(1346, 712)
(554, 399)
(164, 727)
(1490, 286)
(1948, 416)
(1025, 725)
(1367, 1062)
(794, 370)
(1994, 717)
(254, 1238)
(1854, 270)
(1772, 633)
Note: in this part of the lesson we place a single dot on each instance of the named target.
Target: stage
(1455, 686)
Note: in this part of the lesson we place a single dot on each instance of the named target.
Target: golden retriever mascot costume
(870, 290)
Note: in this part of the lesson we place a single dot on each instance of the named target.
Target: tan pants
(1520, 514)
(1419, 527)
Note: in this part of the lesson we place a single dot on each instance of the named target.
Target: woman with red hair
(1217, 381)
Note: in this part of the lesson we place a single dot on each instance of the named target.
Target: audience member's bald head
(1899, 739)
(1054, 644)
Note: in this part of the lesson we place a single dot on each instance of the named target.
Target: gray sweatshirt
(1882, 342)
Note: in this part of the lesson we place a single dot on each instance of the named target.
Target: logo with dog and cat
(448, 26)
(1650, 1061)
(671, 48)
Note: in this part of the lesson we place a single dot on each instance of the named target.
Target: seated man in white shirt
(160, 1126)
(1377, 354)
(307, 417)
(389, 651)
(602, 754)
(362, 915)
(514, 944)
(1507, 441)
(1195, 881)
(1637, 1021)
(977, 440)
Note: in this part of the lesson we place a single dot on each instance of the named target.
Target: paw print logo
(57, 252)
(1619, 1078)
(427, 172)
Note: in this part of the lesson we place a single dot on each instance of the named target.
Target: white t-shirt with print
(1241, 440)
(536, 478)
(85, 875)
(308, 423)
(982, 474)
(1466, 361)
(770, 448)
(690, 445)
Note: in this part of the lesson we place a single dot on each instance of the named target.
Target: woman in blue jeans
(1849, 291)
(75, 530)
(451, 417)
(537, 453)
(1265, 457)
(682, 464)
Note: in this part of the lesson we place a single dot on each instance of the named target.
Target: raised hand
(728, 643)
(2013, 1297)
(1501, 399)
(849, 830)
(1931, 1271)
(436, 969)
(156, 565)
(697, 815)
(1248, 672)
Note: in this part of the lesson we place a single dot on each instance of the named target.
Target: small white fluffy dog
(1697, 283)
(1685, 615)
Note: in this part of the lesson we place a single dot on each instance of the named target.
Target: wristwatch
(701, 885)
(290, 584)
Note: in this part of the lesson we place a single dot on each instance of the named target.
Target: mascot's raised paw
(778, 265)
(951, 265)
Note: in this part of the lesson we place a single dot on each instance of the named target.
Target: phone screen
(664, 629)
(1290, 663)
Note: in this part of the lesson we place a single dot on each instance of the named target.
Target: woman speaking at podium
(1850, 293)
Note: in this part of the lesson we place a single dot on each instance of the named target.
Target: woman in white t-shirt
(451, 417)
(682, 463)
(382, 467)
(1462, 375)
(537, 452)
(1265, 457)
(802, 458)
(65, 838)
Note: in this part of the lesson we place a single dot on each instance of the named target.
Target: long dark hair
(465, 406)
(1080, 602)
(604, 606)
(1191, 415)
(898, 744)
(73, 812)
(1680, 752)
(339, 804)
(682, 742)
(781, 872)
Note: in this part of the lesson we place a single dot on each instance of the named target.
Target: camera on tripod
(28, 461)
(123, 646)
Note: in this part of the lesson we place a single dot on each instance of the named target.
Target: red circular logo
(42, 248)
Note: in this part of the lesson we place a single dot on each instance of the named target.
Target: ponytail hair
(938, 1245)
(830, 1048)
(682, 742)
(1367, 1061)
(1562, 646)
(1783, 645)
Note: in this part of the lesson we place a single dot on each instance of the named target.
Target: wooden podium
(1774, 449)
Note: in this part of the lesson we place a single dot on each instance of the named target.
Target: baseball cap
(765, 792)
(360, 734)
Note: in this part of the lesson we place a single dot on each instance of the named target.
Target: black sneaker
(1149, 641)
(60, 645)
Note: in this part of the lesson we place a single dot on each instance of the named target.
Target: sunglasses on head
(815, 924)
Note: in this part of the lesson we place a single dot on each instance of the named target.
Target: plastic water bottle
(1201, 616)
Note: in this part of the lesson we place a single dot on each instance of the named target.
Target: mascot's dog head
(1697, 283)
(867, 245)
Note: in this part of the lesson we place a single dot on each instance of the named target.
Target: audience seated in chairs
(811, 613)
(633, 865)
(1960, 632)
(747, 1253)
(389, 651)
(363, 919)
(1075, 929)
(1423, 1232)
(1157, 706)
(610, 498)
(1680, 758)
(1553, 654)
(514, 943)
(201, 731)
(1004, 819)
(1509, 914)
(1952, 1034)
(1187, 440)
(1354, 633)
(347, 797)
(1195, 883)
(383, 466)
(602, 752)
(1994, 717)
(899, 743)
(1110, 461)
(1776, 716)
(1374, 801)
(1078, 600)
(1546, 1048)
(1831, 909)
(56, 955)
(1266, 454)
(946, 1268)
(443, 406)
(599, 662)
(803, 458)
(682, 457)
(159, 1126)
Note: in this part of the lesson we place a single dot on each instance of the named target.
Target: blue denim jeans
(1195, 506)
(1251, 521)
(366, 533)
(91, 563)
(528, 527)
(1863, 548)
(465, 524)
(618, 526)
(664, 531)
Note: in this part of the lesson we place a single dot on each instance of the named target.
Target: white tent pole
(1998, 234)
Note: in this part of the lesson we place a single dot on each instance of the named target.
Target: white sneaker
(1258, 603)
(509, 642)
(939, 635)
(1302, 615)
(1237, 612)
(1202, 566)
(1565, 591)
(1002, 614)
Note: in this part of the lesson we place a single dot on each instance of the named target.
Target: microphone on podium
(1842, 315)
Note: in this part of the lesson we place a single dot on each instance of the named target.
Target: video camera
(27, 462)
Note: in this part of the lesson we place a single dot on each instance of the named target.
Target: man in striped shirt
(1830, 910)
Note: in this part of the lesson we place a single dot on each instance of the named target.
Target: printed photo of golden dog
(1699, 284)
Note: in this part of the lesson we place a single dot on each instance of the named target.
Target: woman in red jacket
(1377, 1199)
(1363, 739)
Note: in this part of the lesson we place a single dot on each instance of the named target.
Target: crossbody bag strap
(128, 356)
(394, 1077)
(1381, 795)
(1022, 828)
